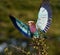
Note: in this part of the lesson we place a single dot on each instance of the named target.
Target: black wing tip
(11, 17)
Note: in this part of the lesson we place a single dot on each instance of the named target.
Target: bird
(43, 22)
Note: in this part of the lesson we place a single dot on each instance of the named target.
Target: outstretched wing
(44, 16)
(23, 28)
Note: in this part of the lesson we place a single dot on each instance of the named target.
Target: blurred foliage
(37, 46)
(28, 10)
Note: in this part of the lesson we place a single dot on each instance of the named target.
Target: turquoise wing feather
(22, 27)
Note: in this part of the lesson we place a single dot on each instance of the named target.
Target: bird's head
(31, 23)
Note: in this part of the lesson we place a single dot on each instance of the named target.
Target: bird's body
(27, 30)
(42, 24)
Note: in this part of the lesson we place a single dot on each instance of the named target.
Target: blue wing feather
(23, 28)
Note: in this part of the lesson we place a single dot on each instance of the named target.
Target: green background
(26, 10)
